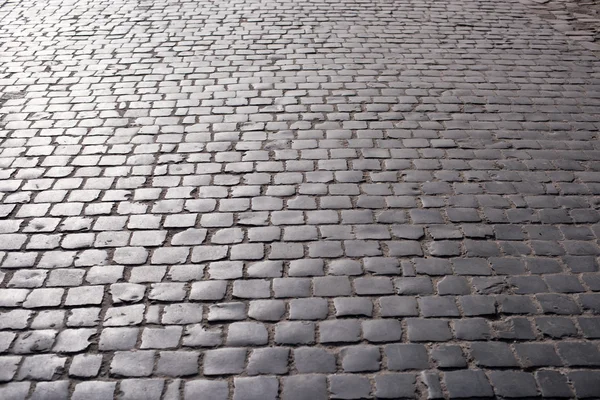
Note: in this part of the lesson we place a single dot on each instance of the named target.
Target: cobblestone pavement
(578, 19)
(258, 199)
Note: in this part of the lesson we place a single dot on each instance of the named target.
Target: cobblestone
(300, 200)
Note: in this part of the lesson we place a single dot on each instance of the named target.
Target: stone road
(297, 199)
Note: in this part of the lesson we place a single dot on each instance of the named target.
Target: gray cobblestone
(224, 361)
(206, 390)
(389, 386)
(141, 388)
(85, 365)
(51, 390)
(295, 332)
(42, 367)
(301, 387)
(255, 388)
(401, 194)
(177, 363)
(96, 390)
(268, 361)
(346, 386)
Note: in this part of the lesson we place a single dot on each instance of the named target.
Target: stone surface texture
(262, 199)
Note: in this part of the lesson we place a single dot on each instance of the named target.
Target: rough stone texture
(299, 199)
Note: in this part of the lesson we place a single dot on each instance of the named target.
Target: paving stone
(48, 319)
(184, 313)
(83, 317)
(85, 295)
(51, 390)
(360, 358)
(557, 304)
(224, 190)
(265, 269)
(382, 330)
(391, 386)
(579, 354)
(453, 285)
(448, 356)
(118, 338)
(123, 316)
(252, 289)
(246, 334)
(493, 354)
(225, 270)
(349, 306)
(438, 306)
(131, 255)
(34, 341)
(268, 361)
(227, 312)
(266, 310)
(584, 383)
(295, 332)
(553, 384)
(513, 384)
(141, 388)
(476, 305)
(424, 330)
(292, 287)
(249, 251)
(306, 268)
(304, 387)
(15, 390)
(104, 274)
(28, 279)
(85, 365)
(73, 340)
(128, 363)
(382, 265)
(314, 360)
(206, 390)
(401, 357)
(96, 390)
(346, 386)
(264, 234)
(362, 248)
(537, 354)
(467, 383)
(196, 335)
(185, 273)
(177, 363)
(334, 331)
(308, 309)
(6, 338)
(208, 290)
(166, 337)
(590, 327)
(286, 251)
(373, 286)
(173, 390)
(590, 302)
(43, 367)
(224, 361)
(255, 388)
(396, 306)
(44, 298)
(514, 328)
(472, 329)
(127, 292)
(433, 266)
(208, 253)
(9, 365)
